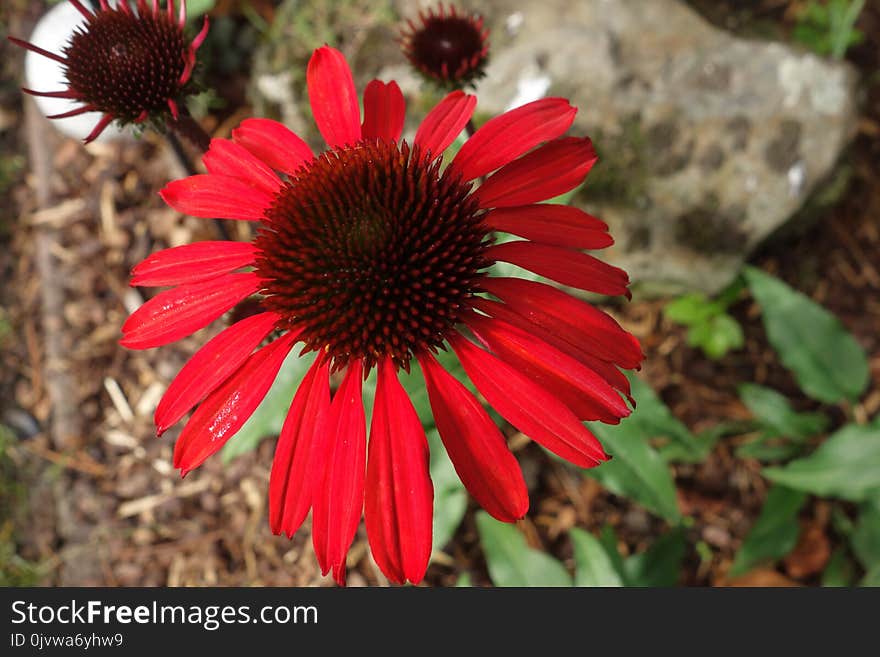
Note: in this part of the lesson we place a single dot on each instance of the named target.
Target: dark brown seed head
(124, 64)
(373, 250)
(448, 47)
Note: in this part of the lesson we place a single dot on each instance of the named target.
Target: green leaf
(844, 14)
(775, 532)
(865, 538)
(195, 8)
(769, 451)
(717, 336)
(776, 416)
(608, 539)
(841, 523)
(846, 465)
(653, 418)
(450, 496)
(636, 470)
(463, 581)
(659, 565)
(839, 571)
(826, 360)
(829, 29)
(691, 309)
(268, 419)
(872, 577)
(594, 566)
(513, 563)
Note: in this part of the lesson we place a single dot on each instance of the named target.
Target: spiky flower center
(373, 250)
(448, 47)
(125, 64)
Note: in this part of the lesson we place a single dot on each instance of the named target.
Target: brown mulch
(108, 508)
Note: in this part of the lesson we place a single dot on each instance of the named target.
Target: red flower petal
(183, 310)
(399, 503)
(339, 501)
(571, 319)
(607, 370)
(223, 413)
(528, 407)
(565, 266)
(333, 97)
(577, 386)
(226, 158)
(207, 195)
(384, 111)
(445, 122)
(210, 366)
(548, 171)
(200, 37)
(100, 126)
(294, 476)
(189, 263)
(273, 143)
(475, 445)
(506, 137)
(561, 225)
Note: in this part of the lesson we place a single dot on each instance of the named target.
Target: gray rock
(708, 143)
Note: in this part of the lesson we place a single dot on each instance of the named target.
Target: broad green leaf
(269, 416)
(872, 577)
(839, 571)
(660, 564)
(654, 419)
(636, 469)
(842, 523)
(826, 360)
(865, 538)
(769, 451)
(775, 532)
(463, 581)
(717, 335)
(608, 539)
(691, 309)
(846, 465)
(511, 561)
(195, 8)
(593, 565)
(450, 496)
(828, 28)
(776, 416)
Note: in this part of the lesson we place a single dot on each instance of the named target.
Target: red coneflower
(373, 254)
(448, 47)
(129, 65)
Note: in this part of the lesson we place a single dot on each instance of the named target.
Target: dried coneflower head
(447, 46)
(130, 65)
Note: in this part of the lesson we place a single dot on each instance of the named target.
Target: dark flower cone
(448, 47)
(130, 65)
